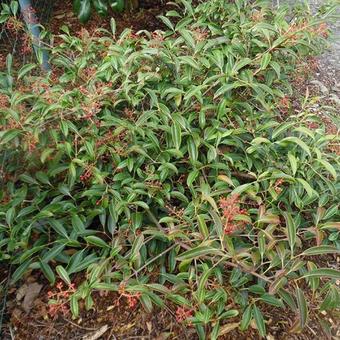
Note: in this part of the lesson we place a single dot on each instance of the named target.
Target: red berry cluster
(2, 62)
(277, 186)
(87, 174)
(4, 102)
(183, 313)
(257, 16)
(58, 303)
(134, 36)
(322, 30)
(312, 125)
(284, 104)
(14, 25)
(31, 142)
(6, 197)
(109, 138)
(132, 299)
(200, 34)
(26, 44)
(99, 201)
(175, 211)
(88, 72)
(230, 208)
(91, 110)
(157, 35)
(157, 39)
(130, 114)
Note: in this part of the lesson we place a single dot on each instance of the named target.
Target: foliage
(161, 165)
(8, 10)
(83, 8)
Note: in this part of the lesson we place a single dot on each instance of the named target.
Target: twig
(152, 260)
(155, 221)
(248, 271)
(243, 175)
(4, 301)
(81, 327)
(97, 334)
(11, 332)
(228, 263)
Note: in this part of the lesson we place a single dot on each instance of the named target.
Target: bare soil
(143, 18)
(112, 315)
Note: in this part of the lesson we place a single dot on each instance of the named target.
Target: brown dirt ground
(123, 322)
(320, 104)
(145, 18)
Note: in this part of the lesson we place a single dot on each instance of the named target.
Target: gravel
(328, 76)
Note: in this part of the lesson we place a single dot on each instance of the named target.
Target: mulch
(143, 18)
(117, 319)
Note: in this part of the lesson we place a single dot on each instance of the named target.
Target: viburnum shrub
(163, 166)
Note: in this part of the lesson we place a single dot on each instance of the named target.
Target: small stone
(335, 99)
(324, 90)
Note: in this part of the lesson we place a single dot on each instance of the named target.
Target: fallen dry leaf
(228, 327)
(163, 336)
(96, 334)
(28, 292)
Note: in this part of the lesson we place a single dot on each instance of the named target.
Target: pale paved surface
(328, 77)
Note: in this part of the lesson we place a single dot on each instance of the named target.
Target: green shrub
(166, 153)
(84, 8)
